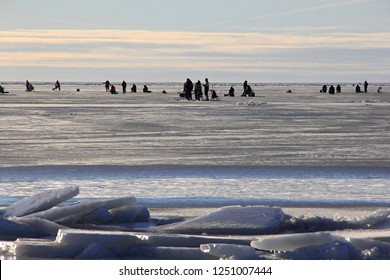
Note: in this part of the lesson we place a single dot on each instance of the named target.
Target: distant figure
(249, 92)
(29, 86)
(206, 86)
(324, 89)
(124, 86)
(57, 85)
(245, 86)
(357, 89)
(331, 89)
(113, 90)
(107, 85)
(134, 88)
(379, 89)
(198, 90)
(2, 90)
(145, 89)
(365, 86)
(338, 89)
(289, 91)
(188, 87)
(214, 95)
(231, 92)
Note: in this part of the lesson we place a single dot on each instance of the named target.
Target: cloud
(223, 52)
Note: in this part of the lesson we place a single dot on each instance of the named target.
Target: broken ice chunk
(40, 202)
(72, 213)
(232, 220)
(290, 242)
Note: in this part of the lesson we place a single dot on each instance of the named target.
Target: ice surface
(337, 250)
(72, 213)
(232, 220)
(305, 149)
(180, 240)
(228, 251)
(290, 242)
(108, 239)
(40, 202)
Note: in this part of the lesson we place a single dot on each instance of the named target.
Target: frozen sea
(300, 149)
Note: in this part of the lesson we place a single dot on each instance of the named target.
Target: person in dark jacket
(206, 86)
(331, 89)
(188, 87)
(124, 86)
(107, 85)
(198, 90)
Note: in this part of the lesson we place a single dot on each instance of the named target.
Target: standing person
(107, 85)
(124, 85)
(57, 85)
(206, 86)
(198, 90)
(338, 89)
(188, 87)
(365, 87)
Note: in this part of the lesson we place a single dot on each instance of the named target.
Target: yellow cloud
(152, 49)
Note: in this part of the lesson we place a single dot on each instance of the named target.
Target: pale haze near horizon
(262, 41)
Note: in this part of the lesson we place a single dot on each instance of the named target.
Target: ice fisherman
(124, 86)
(198, 90)
(206, 86)
(113, 90)
(107, 85)
(134, 88)
(146, 89)
(188, 87)
(57, 85)
(365, 86)
(2, 90)
(331, 89)
(29, 86)
(231, 92)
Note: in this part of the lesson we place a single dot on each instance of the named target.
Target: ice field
(156, 158)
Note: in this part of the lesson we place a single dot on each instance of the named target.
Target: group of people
(189, 86)
(333, 90)
(112, 89)
(248, 92)
(200, 89)
(359, 90)
(30, 87)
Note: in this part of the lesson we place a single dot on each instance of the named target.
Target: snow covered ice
(87, 175)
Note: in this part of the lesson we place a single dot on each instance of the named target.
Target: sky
(170, 40)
